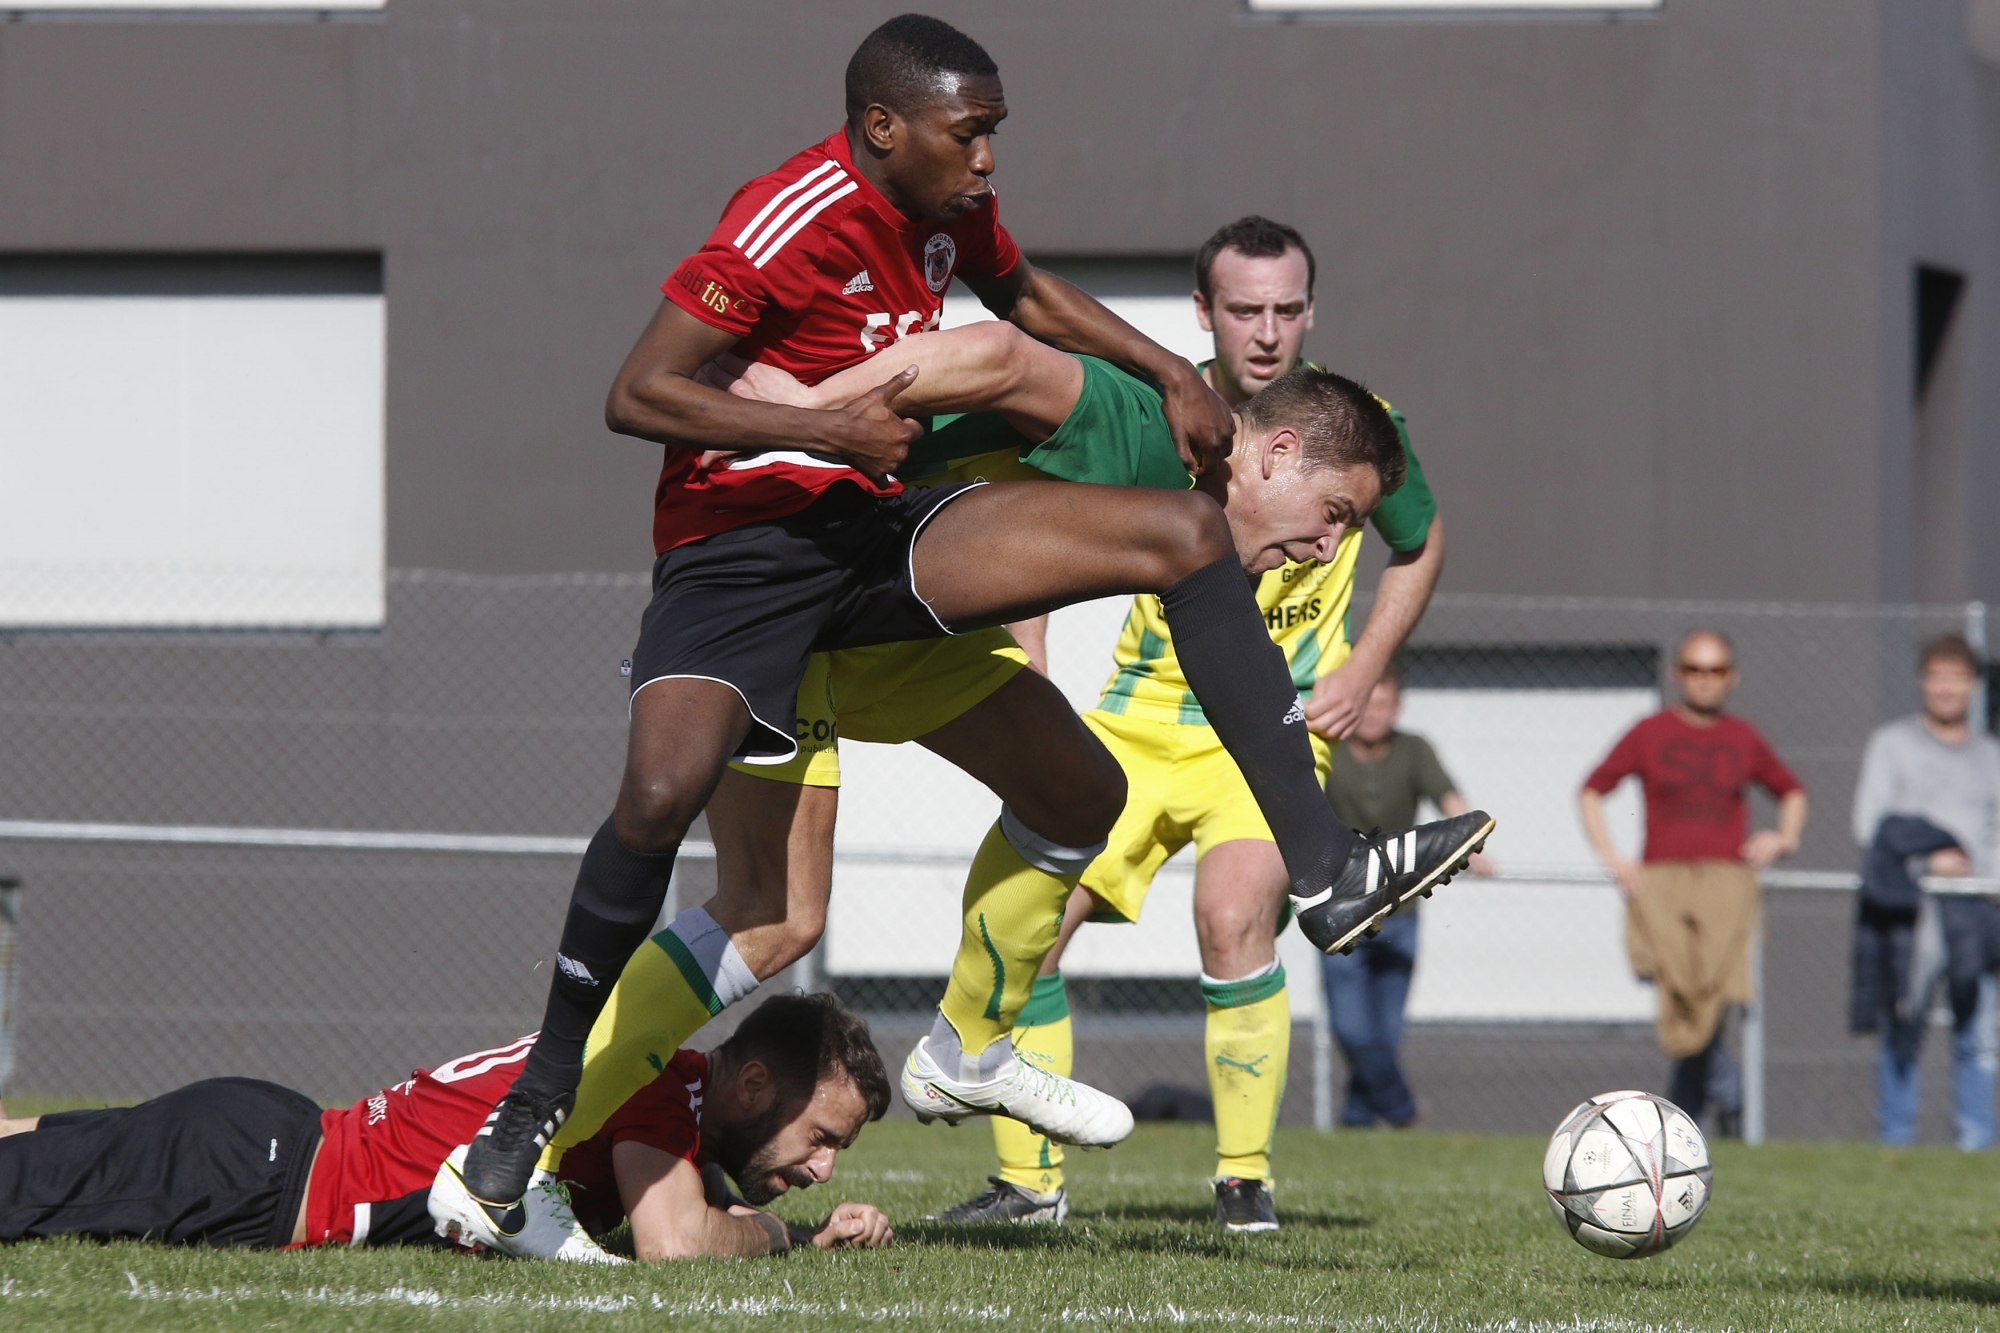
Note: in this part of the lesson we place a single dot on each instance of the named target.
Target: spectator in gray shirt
(1937, 768)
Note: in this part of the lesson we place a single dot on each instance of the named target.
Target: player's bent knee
(1195, 535)
(653, 815)
(1078, 817)
(1212, 539)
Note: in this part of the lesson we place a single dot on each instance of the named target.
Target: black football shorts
(223, 1162)
(747, 607)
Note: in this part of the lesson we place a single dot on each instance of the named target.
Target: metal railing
(808, 972)
(1754, 1060)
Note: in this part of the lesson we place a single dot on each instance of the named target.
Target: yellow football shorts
(889, 693)
(1181, 787)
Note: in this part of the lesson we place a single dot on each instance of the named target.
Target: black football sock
(618, 897)
(1245, 687)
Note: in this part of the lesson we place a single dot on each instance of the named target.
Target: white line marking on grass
(913, 1312)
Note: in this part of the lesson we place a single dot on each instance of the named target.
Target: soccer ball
(1627, 1174)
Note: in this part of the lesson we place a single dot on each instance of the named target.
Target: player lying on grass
(235, 1162)
(804, 542)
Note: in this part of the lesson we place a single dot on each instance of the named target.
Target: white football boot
(1058, 1107)
(541, 1226)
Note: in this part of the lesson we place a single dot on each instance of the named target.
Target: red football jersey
(391, 1144)
(814, 271)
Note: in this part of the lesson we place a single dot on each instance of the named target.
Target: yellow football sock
(1042, 1037)
(1248, 1043)
(1012, 915)
(663, 997)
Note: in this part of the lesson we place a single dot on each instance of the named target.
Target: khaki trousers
(1689, 931)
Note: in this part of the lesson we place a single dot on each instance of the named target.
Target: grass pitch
(1382, 1231)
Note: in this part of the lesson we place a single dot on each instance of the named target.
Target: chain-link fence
(325, 859)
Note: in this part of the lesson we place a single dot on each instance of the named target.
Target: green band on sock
(1047, 1003)
(1250, 990)
(697, 980)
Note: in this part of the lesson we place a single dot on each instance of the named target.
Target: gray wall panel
(1640, 285)
(170, 136)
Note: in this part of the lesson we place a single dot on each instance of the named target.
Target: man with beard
(235, 1162)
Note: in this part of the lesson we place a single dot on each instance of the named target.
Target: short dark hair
(1340, 423)
(1257, 237)
(1949, 648)
(802, 1039)
(899, 64)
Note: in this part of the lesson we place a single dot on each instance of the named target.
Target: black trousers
(222, 1163)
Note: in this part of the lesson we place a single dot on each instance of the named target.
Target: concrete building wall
(1641, 285)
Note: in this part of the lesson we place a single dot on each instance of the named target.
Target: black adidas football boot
(1384, 873)
(501, 1158)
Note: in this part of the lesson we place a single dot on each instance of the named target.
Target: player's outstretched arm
(986, 367)
(1064, 315)
(657, 397)
(672, 1217)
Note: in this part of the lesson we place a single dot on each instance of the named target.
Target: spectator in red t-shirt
(1691, 908)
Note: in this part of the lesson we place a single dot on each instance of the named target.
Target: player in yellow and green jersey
(1255, 294)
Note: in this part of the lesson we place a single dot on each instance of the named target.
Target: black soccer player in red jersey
(801, 539)
(237, 1162)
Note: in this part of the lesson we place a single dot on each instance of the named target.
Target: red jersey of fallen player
(391, 1144)
(813, 270)
(1694, 779)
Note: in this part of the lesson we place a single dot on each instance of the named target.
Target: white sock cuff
(1051, 858)
(733, 977)
(1263, 971)
(710, 947)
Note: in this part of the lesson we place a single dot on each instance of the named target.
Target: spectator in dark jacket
(1933, 769)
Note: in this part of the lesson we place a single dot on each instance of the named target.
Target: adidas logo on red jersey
(860, 282)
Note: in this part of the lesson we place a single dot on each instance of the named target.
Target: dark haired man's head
(1253, 237)
(788, 1090)
(1314, 453)
(923, 100)
(1339, 423)
(1254, 285)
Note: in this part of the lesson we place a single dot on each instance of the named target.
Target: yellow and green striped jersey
(1304, 605)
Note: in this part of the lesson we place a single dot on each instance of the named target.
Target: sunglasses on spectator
(1690, 669)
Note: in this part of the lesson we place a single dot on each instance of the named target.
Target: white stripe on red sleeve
(808, 216)
(782, 195)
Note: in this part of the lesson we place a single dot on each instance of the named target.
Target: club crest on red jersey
(940, 255)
